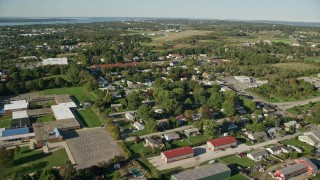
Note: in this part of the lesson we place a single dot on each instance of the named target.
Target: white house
(311, 138)
(258, 155)
(275, 149)
(171, 137)
(130, 116)
(138, 126)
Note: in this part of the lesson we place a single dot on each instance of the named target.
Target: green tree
(215, 101)
(143, 112)
(133, 100)
(211, 128)
(47, 174)
(67, 171)
(151, 125)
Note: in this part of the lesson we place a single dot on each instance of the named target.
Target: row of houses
(188, 152)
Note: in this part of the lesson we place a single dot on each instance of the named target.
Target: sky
(281, 10)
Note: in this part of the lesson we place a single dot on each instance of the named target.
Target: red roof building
(177, 154)
(222, 143)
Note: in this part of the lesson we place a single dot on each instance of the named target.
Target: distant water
(33, 21)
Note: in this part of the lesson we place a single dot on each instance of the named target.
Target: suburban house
(267, 109)
(302, 165)
(311, 138)
(211, 171)
(20, 119)
(258, 155)
(257, 135)
(21, 105)
(191, 132)
(138, 126)
(222, 143)
(171, 136)
(290, 124)
(154, 142)
(275, 149)
(130, 116)
(177, 154)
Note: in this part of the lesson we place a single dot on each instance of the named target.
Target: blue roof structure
(12, 132)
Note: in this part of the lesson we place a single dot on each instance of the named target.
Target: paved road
(120, 113)
(202, 154)
(160, 133)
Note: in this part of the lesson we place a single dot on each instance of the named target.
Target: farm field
(171, 36)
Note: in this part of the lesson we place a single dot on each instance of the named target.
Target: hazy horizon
(272, 10)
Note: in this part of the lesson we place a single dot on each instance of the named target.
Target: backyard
(304, 146)
(234, 159)
(30, 161)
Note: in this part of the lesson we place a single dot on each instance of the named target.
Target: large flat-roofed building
(311, 138)
(302, 165)
(222, 143)
(177, 154)
(11, 135)
(20, 119)
(244, 79)
(291, 171)
(55, 61)
(15, 106)
(46, 132)
(212, 171)
(62, 111)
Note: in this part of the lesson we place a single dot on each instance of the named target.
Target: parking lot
(91, 146)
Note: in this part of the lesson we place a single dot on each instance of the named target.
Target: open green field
(286, 41)
(29, 161)
(244, 162)
(89, 118)
(299, 109)
(171, 36)
(5, 122)
(295, 66)
(312, 58)
(276, 99)
(80, 93)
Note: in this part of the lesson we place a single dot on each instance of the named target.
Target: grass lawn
(286, 41)
(238, 177)
(29, 161)
(139, 148)
(89, 118)
(304, 146)
(244, 162)
(179, 35)
(80, 93)
(42, 119)
(312, 58)
(303, 108)
(296, 66)
(140, 133)
(5, 122)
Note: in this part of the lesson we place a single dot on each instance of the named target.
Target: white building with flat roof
(62, 111)
(55, 61)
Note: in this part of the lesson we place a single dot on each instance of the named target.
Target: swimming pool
(136, 172)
